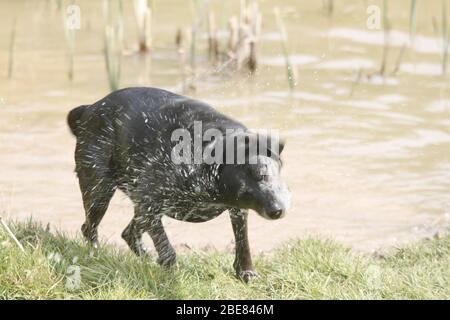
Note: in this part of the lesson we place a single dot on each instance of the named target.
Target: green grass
(303, 269)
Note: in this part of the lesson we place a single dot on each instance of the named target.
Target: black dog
(126, 141)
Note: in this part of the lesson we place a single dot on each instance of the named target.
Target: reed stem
(143, 13)
(284, 41)
(12, 43)
(113, 43)
(386, 27)
(445, 40)
(412, 20)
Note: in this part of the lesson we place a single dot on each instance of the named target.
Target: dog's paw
(247, 275)
(94, 244)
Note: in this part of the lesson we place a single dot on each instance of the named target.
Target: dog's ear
(74, 118)
(244, 144)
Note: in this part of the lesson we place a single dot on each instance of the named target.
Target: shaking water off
(364, 107)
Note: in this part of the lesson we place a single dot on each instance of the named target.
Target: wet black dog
(126, 141)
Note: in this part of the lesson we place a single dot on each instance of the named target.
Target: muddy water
(368, 161)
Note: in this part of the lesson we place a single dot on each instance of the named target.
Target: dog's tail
(74, 118)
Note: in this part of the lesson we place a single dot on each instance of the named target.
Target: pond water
(367, 161)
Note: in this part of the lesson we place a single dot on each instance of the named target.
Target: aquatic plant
(412, 20)
(386, 30)
(445, 40)
(59, 4)
(143, 12)
(356, 81)
(240, 52)
(197, 8)
(213, 40)
(69, 34)
(328, 6)
(249, 29)
(180, 42)
(443, 35)
(399, 60)
(284, 41)
(113, 43)
(12, 43)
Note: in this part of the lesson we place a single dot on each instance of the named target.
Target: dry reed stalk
(143, 12)
(213, 41)
(12, 44)
(290, 72)
(11, 234)
(399, 60)
(113, 45)
(244, 36)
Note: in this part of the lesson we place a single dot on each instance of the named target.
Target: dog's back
(130, 108)
(117, 135)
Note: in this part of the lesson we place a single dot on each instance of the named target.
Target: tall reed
(12, 44)
(59, 4)
(399, 60)
(143, 12)
(197, 11)
(412, 20)
(180, 41)
(69, 33)
(284, 41)
(445, 39)
(328, 6)
(386, 30)
(244, 36)
(213, 41)
(113, 43)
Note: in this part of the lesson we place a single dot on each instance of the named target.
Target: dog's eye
(260, 174)
(259, 177)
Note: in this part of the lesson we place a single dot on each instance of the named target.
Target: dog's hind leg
(147, 219)
(97, 191)
(134, 231)
(93, 163)
(166, 253)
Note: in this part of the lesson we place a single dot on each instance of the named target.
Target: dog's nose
(276, 214)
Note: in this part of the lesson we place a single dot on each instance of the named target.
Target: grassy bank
(56, 267)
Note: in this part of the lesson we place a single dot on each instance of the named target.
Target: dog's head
(252, 179)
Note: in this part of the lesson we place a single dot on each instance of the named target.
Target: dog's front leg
(243, 260)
